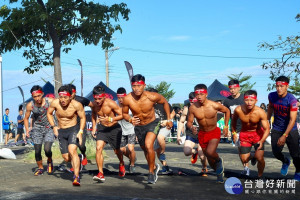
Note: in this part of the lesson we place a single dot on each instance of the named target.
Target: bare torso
(143, 108)
(67, 117)
(107, 109)
(250, 120)
(206, 115)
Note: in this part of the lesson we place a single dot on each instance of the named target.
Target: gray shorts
(40, 134)
(127, 139)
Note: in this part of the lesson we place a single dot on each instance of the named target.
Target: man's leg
(211, 153)
(16, 138)
(75, 161)
(6, 138)
(161, 149)
(132, 155)
(99, 156)
(149, 141)
(292, 142)
(48, 153)
(259, 155)
(203, 159)
(82, 148)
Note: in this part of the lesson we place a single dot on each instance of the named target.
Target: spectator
(6, 126)
(20, 128)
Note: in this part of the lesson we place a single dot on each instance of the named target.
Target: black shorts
(141, 131)
(7, 131)
(111, 135)
(66, 137)
(245, 150)
(20, 131)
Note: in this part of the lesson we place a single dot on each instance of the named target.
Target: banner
(129, 70)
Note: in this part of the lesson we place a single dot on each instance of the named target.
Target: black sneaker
(156, 170)
(151, 179)
(253, 161)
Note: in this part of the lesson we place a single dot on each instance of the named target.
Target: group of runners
(147, 116)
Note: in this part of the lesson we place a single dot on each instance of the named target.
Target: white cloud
(179, 38)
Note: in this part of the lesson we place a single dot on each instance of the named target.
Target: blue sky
(232, 28)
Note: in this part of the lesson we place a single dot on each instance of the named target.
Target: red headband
(193, 100)
(234, 86)
(37, 92)
(64, 93)
(121, 95)
(281, 83)
(199, 91)
(99, 95)
(252, 96)
(73, 91)
(138, 82)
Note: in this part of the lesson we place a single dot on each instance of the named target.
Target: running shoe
(122, 170)
(39, 171)
(204, 172)
(246, 171)
(76, 180)
(220, 167)
(99, 177)
(194, 158)
(220, 178)
(297, 176)
(131, 169)
(151, 179)
(156, 170)
(166, 170)
(285, 168)
(84, 160)
(50, 167)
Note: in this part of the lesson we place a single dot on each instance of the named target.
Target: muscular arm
(27, 115)
(265, 125)
(81, 115)
(118, 110)
(162, 100)
(234, 119)
(125, 110)
(94, 121)
(225, 110)
(293, 117)
(191, 120)
(50, 113)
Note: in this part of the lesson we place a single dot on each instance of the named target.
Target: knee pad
(162, 157)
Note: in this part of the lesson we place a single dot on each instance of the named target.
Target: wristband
(80, 131)
(110, 119)
(233, 133)
(169, 120)
(130, 120)
(285, 135)
(225, 127)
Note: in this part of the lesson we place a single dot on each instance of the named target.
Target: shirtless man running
(67, 131)
(255, 129)
(105, 116)
(191, 140)
(141, 103)
(205, 111)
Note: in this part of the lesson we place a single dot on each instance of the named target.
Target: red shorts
(249, 138)
(205, 137)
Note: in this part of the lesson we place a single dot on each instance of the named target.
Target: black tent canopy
(217, 91)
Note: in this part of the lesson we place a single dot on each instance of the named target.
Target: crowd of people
(146, 116)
